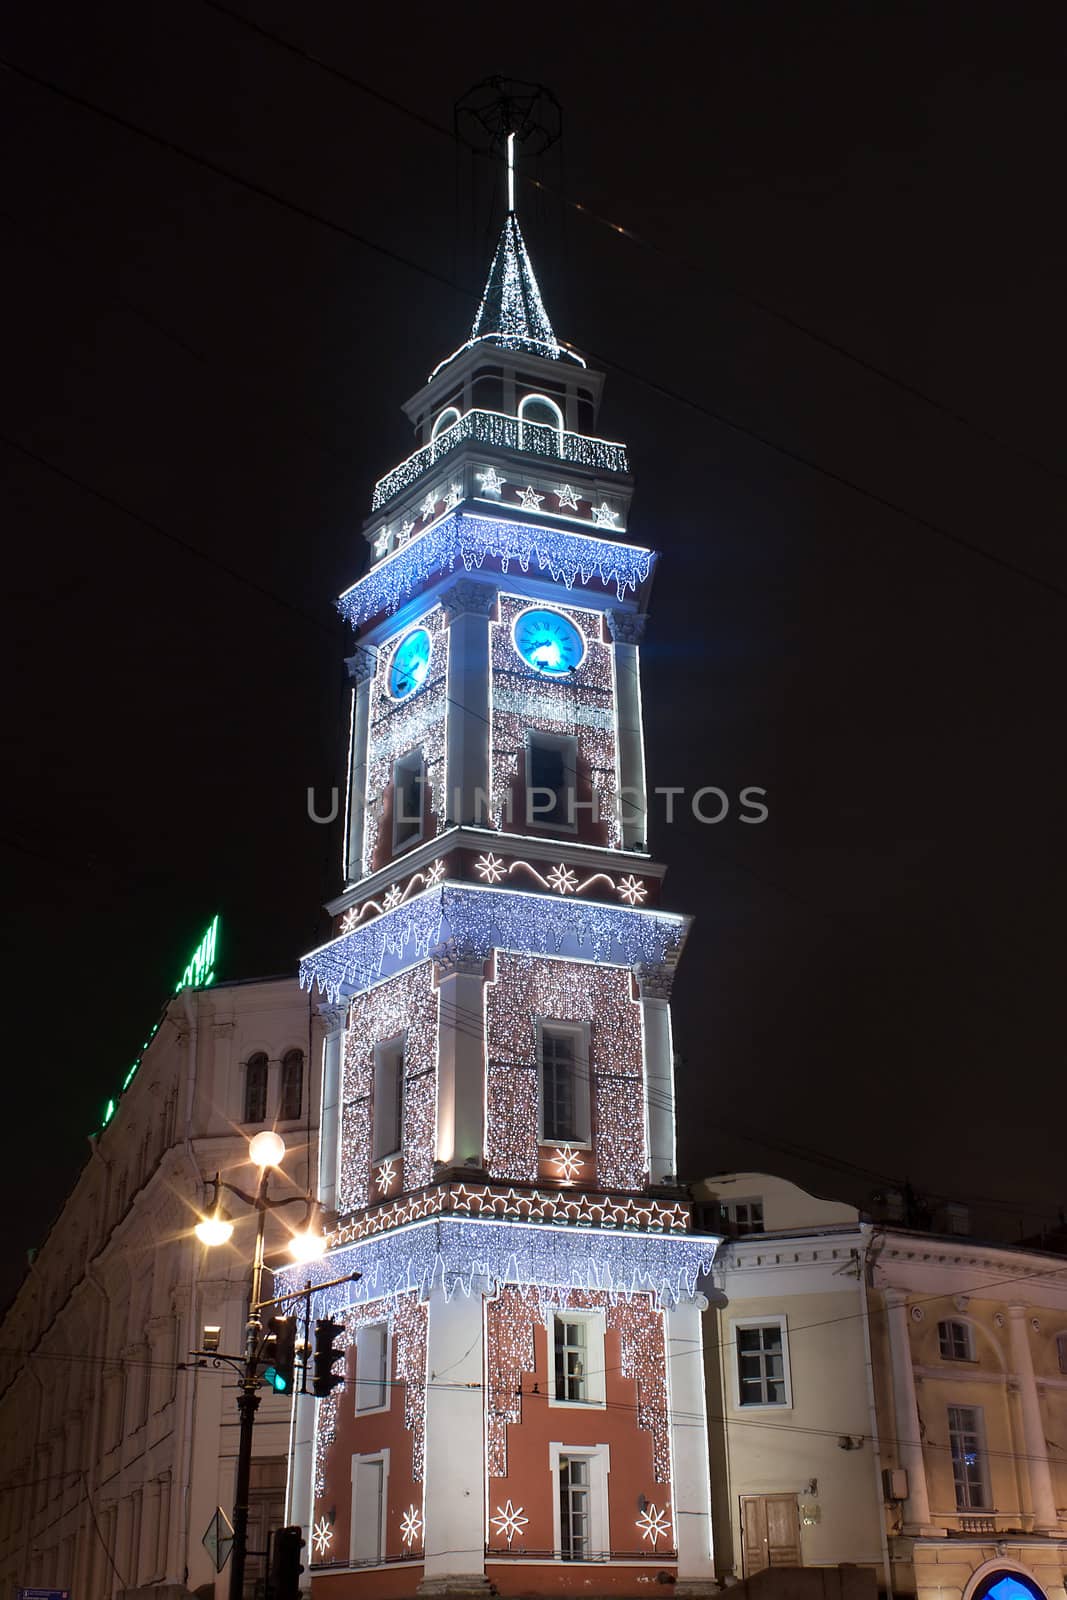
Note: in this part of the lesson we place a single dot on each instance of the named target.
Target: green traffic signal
(279, 1352)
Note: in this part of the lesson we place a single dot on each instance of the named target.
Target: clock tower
(523, 1407)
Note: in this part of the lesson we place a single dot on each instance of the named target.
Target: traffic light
(279, 1352)
(327, 1333)
(285, 1564)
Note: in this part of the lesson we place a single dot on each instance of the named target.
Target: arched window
(443, 420)
(256, 1088)
(956, 1341)
(292, 1086)
(540, 409)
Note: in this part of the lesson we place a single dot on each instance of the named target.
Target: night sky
(836, 351)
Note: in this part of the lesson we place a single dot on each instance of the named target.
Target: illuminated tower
(524, 1371)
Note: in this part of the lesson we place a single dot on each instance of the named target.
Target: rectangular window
(571, 1360)
(408, 782)
(368, 1509)
(955, 1341)
(575, 1508)
(576, 1356)
(372, 1367)
(965, 1434)
(564, 1084)
(551, 776)
(745, 1216)
(762, 1379)
(292, 1099)
(388, 1133)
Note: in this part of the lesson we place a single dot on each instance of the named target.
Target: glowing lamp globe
(213, 1230)
(307, 1246)
(266, 1149)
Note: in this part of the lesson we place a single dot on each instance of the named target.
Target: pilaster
(361, 667)
(1038, 1470)
(689, 1447)
(906, 1416)
(654, 983)
(455, 1446)
(468, 606)
(460, 974)
(627, 629)
(333, 1020)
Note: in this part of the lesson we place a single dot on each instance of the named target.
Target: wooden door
(770, 1532)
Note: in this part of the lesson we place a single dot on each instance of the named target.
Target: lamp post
(265, 1151)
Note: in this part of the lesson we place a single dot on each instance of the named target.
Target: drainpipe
(876, 1451)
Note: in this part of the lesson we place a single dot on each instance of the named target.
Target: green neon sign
(198, 974)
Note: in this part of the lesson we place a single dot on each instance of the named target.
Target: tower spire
(511, 312)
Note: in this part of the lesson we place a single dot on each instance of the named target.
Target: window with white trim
(563, 1056)
(955, 1341)
(370, 1479)
(291, 1105)
(408, 783)
(539, 409)
(580, 1501)
(372, 1367)
(444, 419)
(761, 1366)
(576, 1359)
(551, 780)
(966, 1438)
(256, 1071)
(387, 1135)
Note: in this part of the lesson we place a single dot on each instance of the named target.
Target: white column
(333, 1022)
(691, 1515)
(906, 1416)
(654, 986)
(1043, 1501)
(361, 667)
(627, 628)
(461, 1056)
(455, 1447)
(300, 1496)
(469, 605)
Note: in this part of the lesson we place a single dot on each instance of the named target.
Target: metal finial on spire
(499, 112)
(511, 174)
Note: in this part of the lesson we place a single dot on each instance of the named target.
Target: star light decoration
(567, 497)
(489, 868)
(406, 530)
(491, 481)
(509, 1521)
(381, 543)
(563, 880)
(429, 506)
(654, 1524)
(603, 516)
(386, 1176)
(569, 1163)
(411, 1526)
(633, 890)
(454, 496)
(322, 1537)
(529, 497)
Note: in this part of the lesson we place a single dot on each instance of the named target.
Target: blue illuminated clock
(548, 642)
(410, 664)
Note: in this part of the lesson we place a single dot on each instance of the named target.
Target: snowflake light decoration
(386, 1176)
(392, 896)
(603, 516)
(322, 1537)
(569, 1163)
(567, 497)
(489, 868)
(411, 1526)
(509, 1521)
(435, 873)
(654, 1524)
(563, 880)
(428, 507)
(350, 918)
(633, 890)
(491, 481)
(381, 543)
(529, 497)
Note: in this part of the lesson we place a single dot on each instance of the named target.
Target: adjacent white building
(116, 1447)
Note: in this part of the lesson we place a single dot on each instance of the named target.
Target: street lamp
(265, 1151)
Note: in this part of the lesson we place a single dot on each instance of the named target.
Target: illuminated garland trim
(468, 538)
(517, 1205)
(482, 919)
(460, 1257)
(497, 428)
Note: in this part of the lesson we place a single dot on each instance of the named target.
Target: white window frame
(409, 839)
(595, 1328)
(983, 1460)
(968, 1332)
(373, 1411)
(731, 1215)
(567, 744)
(739, 1324)
(542, 399)
(583, 1098)
(600, 1457)
(371, 1455)
(452, 413)
(397, 1044)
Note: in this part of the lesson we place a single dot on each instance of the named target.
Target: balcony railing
(978, 1524)
(508, 433)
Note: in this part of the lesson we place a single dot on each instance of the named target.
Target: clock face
(410, 664)
(548, 642)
